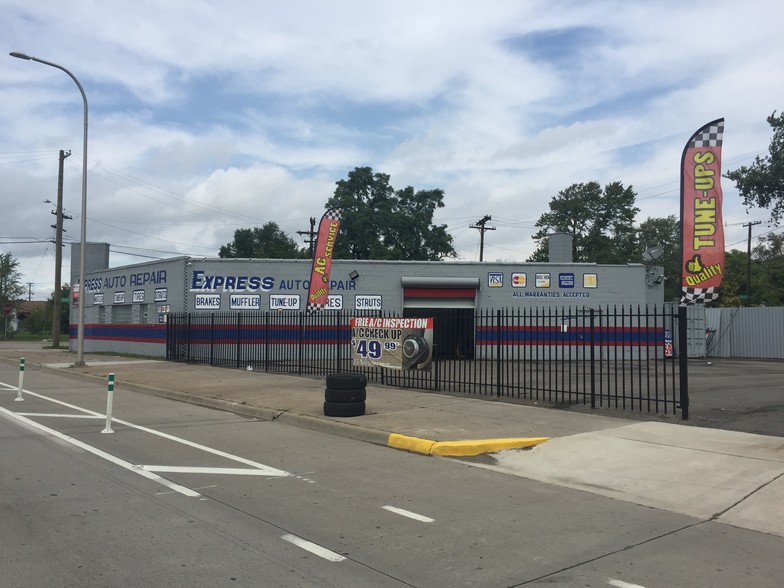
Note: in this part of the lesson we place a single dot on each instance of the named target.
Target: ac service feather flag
(702, 231)
(318, 294)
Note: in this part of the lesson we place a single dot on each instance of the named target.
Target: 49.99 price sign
(390, 342)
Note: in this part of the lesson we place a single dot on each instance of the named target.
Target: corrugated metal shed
(746, 332)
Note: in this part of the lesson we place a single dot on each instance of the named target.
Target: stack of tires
(345, 395)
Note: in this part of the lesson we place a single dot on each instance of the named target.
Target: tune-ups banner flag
(318, 294)
(702, 231)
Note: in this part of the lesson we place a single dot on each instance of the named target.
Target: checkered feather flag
(702, 231)
(318, 293)
(711, 135)
(699, 295)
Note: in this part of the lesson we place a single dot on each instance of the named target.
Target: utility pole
(311, 236)
(58, 255)
(748, 263)
(480, 224)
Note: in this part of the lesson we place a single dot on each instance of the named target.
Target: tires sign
(391, 342)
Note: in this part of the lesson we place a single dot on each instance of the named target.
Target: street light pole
(80, 328)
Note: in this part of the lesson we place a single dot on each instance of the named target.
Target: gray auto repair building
(126, 308)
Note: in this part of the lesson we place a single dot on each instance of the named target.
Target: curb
(334, 427)
(465, 448)
(325, 425)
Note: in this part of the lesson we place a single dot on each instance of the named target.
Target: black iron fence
(619, 357)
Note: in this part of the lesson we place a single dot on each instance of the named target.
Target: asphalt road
(180, 495)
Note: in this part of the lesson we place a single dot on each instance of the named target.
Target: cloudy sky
(209, 116)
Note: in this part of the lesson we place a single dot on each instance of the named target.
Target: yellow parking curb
(460, 448)
(414, 444)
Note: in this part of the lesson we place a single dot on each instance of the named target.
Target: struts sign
(702, 232)
(318, 294)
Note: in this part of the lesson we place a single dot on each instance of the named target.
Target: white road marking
(268, 471)
(204, 470)
(313, 548)
(61, 416)
(622, 584)
(408, 513)
(102, 454)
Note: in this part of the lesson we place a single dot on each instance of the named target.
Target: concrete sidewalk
(711, 474)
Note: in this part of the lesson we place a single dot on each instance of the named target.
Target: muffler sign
(390, 342)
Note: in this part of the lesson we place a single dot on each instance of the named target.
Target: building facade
(126, 308)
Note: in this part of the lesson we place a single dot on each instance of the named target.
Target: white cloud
(210, 116)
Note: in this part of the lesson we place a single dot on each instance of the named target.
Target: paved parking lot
(732, 394)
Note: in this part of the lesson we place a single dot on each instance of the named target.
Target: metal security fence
(619, 357)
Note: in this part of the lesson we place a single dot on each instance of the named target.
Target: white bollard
(21, 380)
(110, 394)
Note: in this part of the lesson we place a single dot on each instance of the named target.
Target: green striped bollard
(21, 380)
(110, 394)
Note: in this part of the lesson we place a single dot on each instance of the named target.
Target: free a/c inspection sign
(392, 342)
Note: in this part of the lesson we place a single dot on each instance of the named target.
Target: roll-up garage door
(423, 292)
(451, 303)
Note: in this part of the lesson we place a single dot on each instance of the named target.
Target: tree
(410, 232)
(11, 288)
(767, 274)
(733, 281)
(37, 321)
(767, 268)
(664, 232)
(601, 223)
(267, 242)
(65, 296)
(762, 183)
(381, 223)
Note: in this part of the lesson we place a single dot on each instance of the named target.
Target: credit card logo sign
(495, 280)
(542, 280)
(566, 280)
(519, 280)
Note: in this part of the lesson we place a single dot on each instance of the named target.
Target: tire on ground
(346, 381)
(344, 409)
(338, 395)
